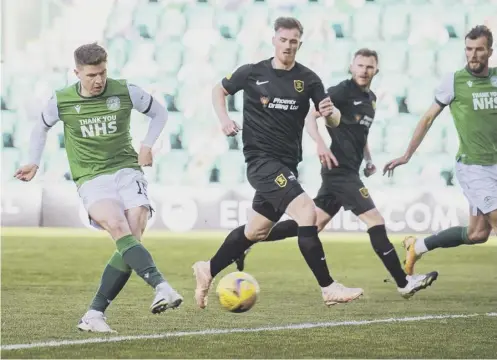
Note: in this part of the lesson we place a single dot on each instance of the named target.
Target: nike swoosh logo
(261, 82)
(388, 252)
(357, 102)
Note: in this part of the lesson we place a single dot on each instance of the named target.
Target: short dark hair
(480, 31)
(289, 23)
(366, 53)
(90, 54)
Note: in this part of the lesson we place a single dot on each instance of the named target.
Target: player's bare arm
(370, 168)
(326, 157)
(229, 127)
(419, 133)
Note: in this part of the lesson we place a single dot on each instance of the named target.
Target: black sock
(386, 252)
(283, 230)
(231, 249)
(312, 250)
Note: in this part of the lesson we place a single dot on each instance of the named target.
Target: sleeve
(336, 94)
(237, 80)
(48, 118)
(444, 94)
(50, 113)
(317, 90)
(142, 100)
(144, 103)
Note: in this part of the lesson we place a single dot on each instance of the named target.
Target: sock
(139, 259)
(387, 254)
(114, 277)
(232, 248)
(312, 250)
(451, 237)
(283, 230)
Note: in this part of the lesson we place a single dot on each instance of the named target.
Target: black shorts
(275, 187)
(343, 189)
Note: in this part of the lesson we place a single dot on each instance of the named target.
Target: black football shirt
(275, 104)
(349, 138)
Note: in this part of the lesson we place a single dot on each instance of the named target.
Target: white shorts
(127, 186)
(479, 184)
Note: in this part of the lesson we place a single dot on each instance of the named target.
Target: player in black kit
(341, 184)
(276, 101)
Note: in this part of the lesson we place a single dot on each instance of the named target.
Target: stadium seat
(172, 25)
(421, 94)
(228, 23)
(146, 19)
(395, 22)
(224, 56)
(340, 55)
(10, 162)
(421, 62)
(8, 128)
(376, 138)
(392, 56)
(231, 167)
(169, 57)
(172, 167)
(56, 166)
(450, 57)
(366, 23)
(200, 16)
(398, 132)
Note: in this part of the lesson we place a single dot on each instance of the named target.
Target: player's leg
(407, 285)
(477, 232)
(479, 184)
(132, 187)
(116, 272)
(235, 244)
(302, 209)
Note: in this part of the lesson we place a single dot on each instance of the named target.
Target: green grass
(49, 278)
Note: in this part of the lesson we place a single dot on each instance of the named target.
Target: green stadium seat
(10, 162)
(8, 127)
(398, 133)
(450, 57)
(421, 62)
(172, 24)
(200, 16)
(231, 168)
(118, 49)
(172, 166)
(366, 22)
(453, 17)
(169, 57)
(395, 22)
(420, 95)
(376, 138)
(340, 54)
(392, 56)
(146, 19)
(56, 166)
(224, 56)
(228, 23)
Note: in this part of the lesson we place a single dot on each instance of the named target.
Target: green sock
(114, 277)
(451, 237)
(139, 259)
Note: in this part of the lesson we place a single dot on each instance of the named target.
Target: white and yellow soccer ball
(237, 292)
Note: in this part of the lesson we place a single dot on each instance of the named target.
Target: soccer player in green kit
(107, 171)
(471, 94)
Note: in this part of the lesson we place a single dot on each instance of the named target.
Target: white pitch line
(236, 330)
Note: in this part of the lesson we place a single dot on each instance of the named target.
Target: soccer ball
(237, 292)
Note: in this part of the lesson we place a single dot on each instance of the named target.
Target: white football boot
(416, 283)
(202, 272)
(337, 293)
(165, 298)
(94, 321)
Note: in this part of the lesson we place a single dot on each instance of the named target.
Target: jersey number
(142, 188)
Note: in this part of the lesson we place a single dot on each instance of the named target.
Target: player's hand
(145, 157)
(26, 172)
(326, 157)
(369, 170)
(230, 128)
(391, 165)
(326, 107)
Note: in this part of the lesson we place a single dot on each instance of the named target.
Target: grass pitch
(50, 276)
